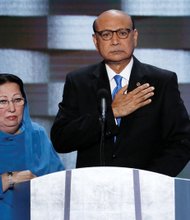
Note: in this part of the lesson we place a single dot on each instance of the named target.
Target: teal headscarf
(41, 157)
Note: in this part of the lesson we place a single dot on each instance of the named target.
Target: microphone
(102, 102)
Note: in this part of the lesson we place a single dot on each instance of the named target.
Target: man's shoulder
(85, 70)
(153, 70)
(157, 69)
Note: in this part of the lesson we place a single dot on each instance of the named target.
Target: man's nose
(115, 38)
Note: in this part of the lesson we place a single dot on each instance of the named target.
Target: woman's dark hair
(6, 77)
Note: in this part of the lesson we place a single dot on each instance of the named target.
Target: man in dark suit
(153, 132)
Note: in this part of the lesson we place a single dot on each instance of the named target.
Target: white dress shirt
(125, 73)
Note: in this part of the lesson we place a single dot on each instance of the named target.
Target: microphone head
(102, 102)
(102, 94)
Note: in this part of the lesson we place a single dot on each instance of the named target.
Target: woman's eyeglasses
(17, 101)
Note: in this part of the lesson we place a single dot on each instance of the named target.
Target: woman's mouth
(12, 118)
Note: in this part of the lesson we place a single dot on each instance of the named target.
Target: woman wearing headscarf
(25, 149)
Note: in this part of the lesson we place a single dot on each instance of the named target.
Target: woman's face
(10, 114)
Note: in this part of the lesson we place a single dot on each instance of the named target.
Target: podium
(109, 193)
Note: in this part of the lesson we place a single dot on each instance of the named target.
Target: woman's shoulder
(37, 127)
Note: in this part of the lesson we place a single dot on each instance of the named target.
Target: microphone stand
(102, 101)
(102, 120)
(102, 156)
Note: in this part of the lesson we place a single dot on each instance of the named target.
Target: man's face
(115, 49)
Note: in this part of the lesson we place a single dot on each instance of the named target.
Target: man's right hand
(125, 103)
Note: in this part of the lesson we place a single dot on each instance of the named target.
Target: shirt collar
(125, 73)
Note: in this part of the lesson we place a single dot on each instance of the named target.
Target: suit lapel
(137, 75)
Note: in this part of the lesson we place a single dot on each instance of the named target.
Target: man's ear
(95, 40)
(135, 37)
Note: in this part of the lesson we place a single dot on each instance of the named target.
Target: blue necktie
(118, 80)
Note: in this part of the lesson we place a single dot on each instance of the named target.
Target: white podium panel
(108, 193)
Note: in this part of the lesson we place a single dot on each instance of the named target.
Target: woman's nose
(11, 106)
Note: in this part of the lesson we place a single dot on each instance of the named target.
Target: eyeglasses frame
(13, 100)
(116, 31)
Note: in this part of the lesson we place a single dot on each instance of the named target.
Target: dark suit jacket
(155, 137)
